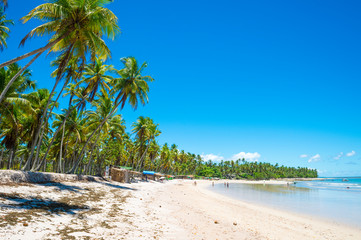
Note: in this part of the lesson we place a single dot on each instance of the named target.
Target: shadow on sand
(40, 204)
(117, 186)
(61, 186)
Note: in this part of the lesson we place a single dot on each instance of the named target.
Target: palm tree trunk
(99, 163)
(65, 152)
(1, 157)
(2, 95)
(61, 148)
(130, 155)
(60, 75)
(87, 142)
(141, 159)
(39, 50)
(39, 132)
(21, 161)
(91, 154)
(10, 157)
(58, 130)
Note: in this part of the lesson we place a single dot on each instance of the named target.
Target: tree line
(241, 169)
(89, 133)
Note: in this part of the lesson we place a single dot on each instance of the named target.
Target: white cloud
(315, 158)
(247, 156)
(350, 154)
(303, 155)
(338, 156)
(211, 157)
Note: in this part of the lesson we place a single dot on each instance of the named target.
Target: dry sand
(147, 210)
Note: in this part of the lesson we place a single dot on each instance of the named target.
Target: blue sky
(268, 80)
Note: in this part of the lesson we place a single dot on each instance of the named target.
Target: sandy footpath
(147, 210)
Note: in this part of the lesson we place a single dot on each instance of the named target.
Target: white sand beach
(147, 210)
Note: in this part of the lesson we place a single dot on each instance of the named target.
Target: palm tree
(145, 131)
(73, 133)
(12, 127)
(95, 76)
(71, 71)
(4, 29)
(166, 162)
(38, 100)
(131, 86)
(77, 27)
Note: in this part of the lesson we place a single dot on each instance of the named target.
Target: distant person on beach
(227, 184)
(195, 183)
(212, 184)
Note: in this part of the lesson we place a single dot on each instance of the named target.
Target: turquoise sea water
(335, 199)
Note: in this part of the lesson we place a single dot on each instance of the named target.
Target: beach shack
(119, 175)
(135, 174)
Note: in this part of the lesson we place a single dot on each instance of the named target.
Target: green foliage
(253, 170)
(4, 28)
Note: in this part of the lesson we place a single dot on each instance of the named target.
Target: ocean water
(333, 199)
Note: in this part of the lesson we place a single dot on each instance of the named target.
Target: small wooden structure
(135, 174)
(119, 175)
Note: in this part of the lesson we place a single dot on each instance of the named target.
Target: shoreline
(175, 210)
(257, 221)
(207, 187)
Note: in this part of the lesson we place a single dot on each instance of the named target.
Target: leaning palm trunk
(1, 156)
(130, 155)
(61, 68)
(57, 131)
(2, 96)
(10, 158)
(40, 50)
(38, 140)
(61, 148)
(91, 159)
(90, 137)
(46, 122)
(142, 158)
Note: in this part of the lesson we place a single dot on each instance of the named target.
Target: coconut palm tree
(131, 86)
(145, 131)
(72, 72)
(165, 155)
(4, 29)
(12, 127)
(38, 100)
(76, 28)
(95, 76)
(73, 133)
